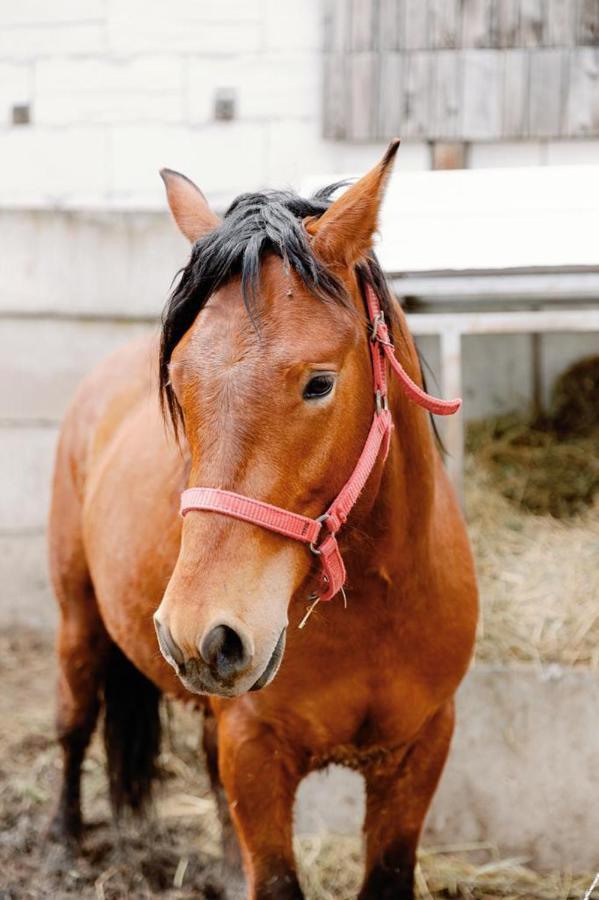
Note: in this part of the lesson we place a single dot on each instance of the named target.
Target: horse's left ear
(188, 205)
(343, 234)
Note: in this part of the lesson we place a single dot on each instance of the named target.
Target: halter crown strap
(303, 528)
(380, 334)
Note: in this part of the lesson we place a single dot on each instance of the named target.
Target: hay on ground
(538, 579)
(332, 867)
(549, 465)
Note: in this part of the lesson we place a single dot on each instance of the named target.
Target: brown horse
(266, 372)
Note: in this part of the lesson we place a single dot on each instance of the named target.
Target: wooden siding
(465, 70)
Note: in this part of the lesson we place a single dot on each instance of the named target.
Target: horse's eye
(319, 386)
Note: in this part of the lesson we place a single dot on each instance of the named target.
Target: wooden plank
(515, 93)
(417, 98)
(416, 34)
(533, 14)
(540, 218)
(335, 101)
(449, 155)
(445, 23)
(390, 24)
(362, 30)
(390, 94)
(481, 98)
(582, 102)
(562, 18)
(337, 20)
(445, 104)
(476, 23)
(362, 85)
(547, 73)
(588, 23)
(328, 24)
(506, 23)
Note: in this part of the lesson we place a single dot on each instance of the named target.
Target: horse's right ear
(188, 205)
(343, 234)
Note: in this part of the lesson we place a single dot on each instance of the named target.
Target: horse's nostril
(224, 651)
(167, 644)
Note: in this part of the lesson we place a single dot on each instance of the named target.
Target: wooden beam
(525, 322)
(548, 287)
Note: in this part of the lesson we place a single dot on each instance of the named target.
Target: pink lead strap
(303, 528)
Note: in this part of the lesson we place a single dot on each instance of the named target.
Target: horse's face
(279, 413)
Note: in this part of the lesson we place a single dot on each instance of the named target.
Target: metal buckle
(379, 319)
(315, 550)
(382, 403)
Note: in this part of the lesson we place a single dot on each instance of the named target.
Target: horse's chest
(373, 759)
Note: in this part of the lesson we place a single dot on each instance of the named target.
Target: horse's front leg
(397, 799)
(260, 774)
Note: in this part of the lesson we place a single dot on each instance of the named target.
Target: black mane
(254, 224)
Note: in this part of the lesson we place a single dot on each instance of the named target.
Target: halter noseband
(321, 534)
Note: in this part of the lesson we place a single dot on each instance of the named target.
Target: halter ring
(315, 550)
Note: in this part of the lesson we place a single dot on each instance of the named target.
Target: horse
(316, 598)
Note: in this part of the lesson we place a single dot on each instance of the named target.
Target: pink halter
(321, 534)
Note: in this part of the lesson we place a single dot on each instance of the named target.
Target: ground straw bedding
(331, 869)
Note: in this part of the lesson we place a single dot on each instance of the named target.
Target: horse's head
(265, 365)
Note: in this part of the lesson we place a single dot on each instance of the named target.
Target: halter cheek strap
(320, 534)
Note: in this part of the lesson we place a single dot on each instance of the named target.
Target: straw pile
(551, 464)
(539, 574)
(332, 868)
(538, 579)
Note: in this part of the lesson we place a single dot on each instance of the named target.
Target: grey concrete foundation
(523, 771)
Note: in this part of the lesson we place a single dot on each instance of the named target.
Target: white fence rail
(450, 327)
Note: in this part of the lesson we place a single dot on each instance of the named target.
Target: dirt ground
(180, 846)
(177, 854)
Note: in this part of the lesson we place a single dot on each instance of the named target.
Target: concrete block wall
(522, 772)
(118, 88)
(73, 287)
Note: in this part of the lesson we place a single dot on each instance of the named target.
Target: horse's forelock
(254, 224)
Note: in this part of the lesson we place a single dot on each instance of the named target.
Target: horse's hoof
(65, 831)
(61, 858)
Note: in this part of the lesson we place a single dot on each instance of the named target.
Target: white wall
(122, 87)
(119, 88)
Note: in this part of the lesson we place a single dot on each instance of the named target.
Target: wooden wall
(461, 70)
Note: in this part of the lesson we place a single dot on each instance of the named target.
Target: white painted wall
(119, 88)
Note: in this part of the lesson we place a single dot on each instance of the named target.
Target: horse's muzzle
(221, 668)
